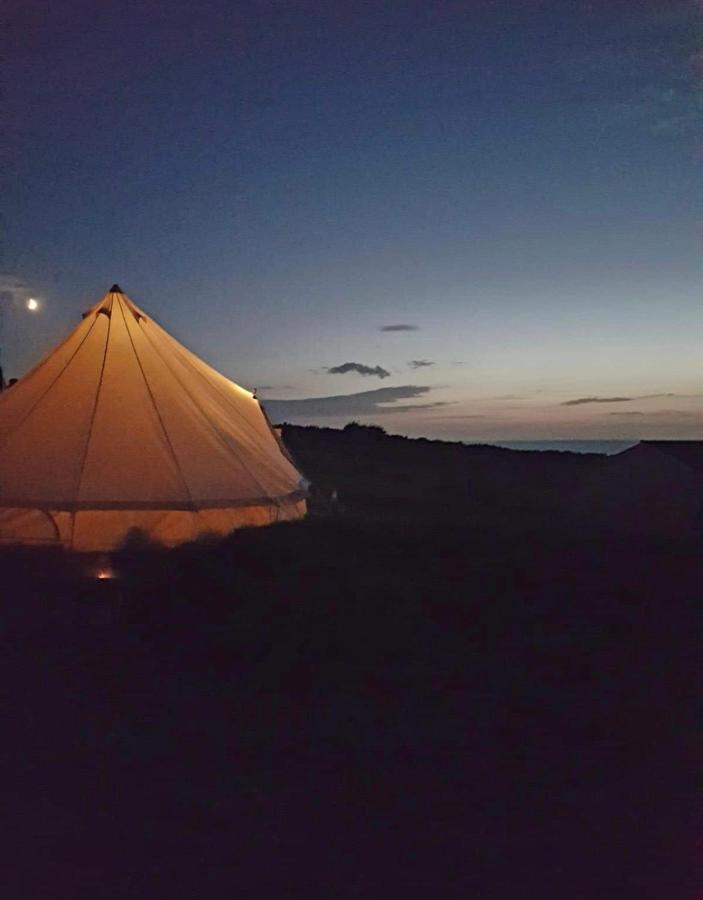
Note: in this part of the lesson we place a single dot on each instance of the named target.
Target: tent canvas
(120, 429)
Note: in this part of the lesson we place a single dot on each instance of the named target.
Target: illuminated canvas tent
(121, 430)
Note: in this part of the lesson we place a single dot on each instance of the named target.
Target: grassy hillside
(381, 476)
(415, 695)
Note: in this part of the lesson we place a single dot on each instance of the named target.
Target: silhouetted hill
(481, 487)
(394, 699)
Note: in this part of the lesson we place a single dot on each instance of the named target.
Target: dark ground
(444, 690)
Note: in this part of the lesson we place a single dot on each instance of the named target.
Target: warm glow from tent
(225, 453)
(105, 574)
(32, 304)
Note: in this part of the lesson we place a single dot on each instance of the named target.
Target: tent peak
(115, 289)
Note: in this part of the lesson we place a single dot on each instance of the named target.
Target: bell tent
(122, 430)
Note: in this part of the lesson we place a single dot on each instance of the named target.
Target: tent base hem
(103, 530)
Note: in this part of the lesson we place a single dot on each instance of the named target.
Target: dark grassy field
(439, 686)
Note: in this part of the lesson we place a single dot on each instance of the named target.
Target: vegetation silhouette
(440, 686)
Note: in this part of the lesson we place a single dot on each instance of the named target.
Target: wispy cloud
(670, 106)
(677, 414)
(400, 327)
(420, 363)
(581, 401)
(12, 289)
(676, 111)
(457, 418)
(668, 13)
(360, 369)
(365, 403)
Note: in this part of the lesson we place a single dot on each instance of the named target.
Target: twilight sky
(470, 220)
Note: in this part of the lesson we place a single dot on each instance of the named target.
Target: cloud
(399, 328)
(420, 363)
(452, 418)
(676, 125)
(663, 414)
(670, 111)
(365, 403)
(12, 289)
(360, 369)
(580, 401)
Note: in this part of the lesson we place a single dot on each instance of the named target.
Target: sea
(609, 448)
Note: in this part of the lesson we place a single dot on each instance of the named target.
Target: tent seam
(227, 447)
(52, 352)
(36, 403)
(185, 356)
(81, 471)
(158, 414)
(154, 506)
(184, 353)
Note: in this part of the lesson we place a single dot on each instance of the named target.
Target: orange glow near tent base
(101, 569)
(105, 574)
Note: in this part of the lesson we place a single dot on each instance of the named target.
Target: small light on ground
(105, 574)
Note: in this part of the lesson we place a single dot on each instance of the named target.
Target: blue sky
(277, 183)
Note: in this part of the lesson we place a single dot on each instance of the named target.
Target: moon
(32, 304)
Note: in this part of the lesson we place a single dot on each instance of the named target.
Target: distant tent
(653, 489)
(122, 431)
